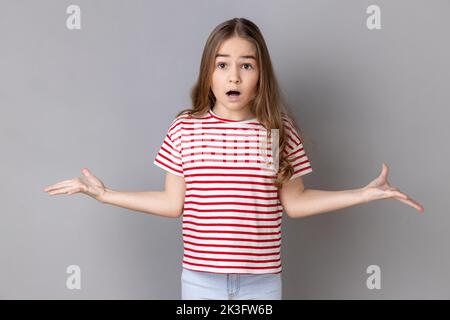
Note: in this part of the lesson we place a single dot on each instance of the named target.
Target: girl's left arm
(299, 202)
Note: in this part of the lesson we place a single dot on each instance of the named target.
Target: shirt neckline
(229, 120)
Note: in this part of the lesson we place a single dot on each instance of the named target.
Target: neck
(237, 115)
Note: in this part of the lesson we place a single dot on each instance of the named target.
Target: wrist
(363, 194)
(103, 197)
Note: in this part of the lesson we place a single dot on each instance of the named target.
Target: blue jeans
(198, 285)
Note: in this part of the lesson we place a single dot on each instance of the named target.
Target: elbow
(174, 213)
(289, 212)
(293, 211)
(292, 215)
(291, 199)
(174, 207)
(178, 212)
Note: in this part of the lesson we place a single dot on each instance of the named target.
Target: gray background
(104, 96)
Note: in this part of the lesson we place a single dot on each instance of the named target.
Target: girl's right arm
(168, 203)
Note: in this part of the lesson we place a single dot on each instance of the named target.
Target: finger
(56, 186)
(412, 203)
(64, 181)
(74, 190)
(59, 184)
(409, 201)
(395, 193)
(70, 189)
(58, 191)
(384, 171)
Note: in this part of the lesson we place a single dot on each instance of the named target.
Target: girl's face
(235, 69)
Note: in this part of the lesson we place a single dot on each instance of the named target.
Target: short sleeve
(295, 152)
(169, 154)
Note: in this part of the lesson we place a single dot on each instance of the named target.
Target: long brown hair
(268, 105)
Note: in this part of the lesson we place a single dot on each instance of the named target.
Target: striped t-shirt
(232, 212)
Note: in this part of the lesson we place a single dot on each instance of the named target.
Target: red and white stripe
(232, 213)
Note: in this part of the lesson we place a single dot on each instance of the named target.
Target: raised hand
(380, 189)
(89, 185)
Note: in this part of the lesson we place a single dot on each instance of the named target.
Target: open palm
(380, 188)
(90, 185)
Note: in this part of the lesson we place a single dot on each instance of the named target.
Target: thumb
(384, 170)
(90, 178)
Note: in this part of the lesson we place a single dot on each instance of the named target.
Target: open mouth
(232, 93)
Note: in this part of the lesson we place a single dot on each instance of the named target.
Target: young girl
(233, 164)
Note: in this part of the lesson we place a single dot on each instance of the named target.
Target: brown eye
(248, 64)
(220, 65)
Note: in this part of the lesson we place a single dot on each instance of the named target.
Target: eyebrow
(243, 57)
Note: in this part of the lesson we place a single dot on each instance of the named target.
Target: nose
(234, 79)
(234, 76)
